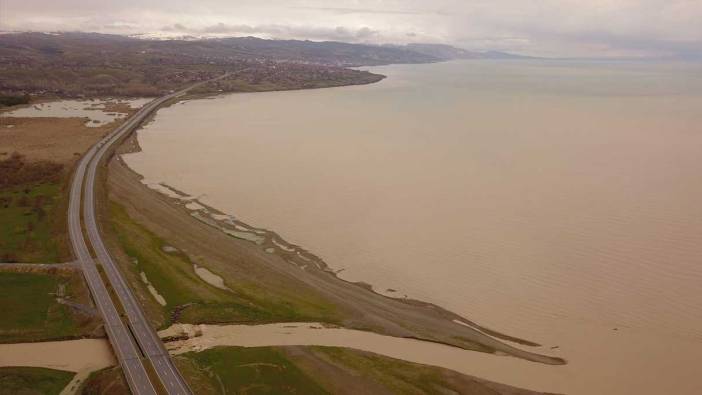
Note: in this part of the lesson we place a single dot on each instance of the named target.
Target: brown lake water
(555, 201)
(70, 355)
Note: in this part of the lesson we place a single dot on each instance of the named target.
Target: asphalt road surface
(126, 351)
(121, 338)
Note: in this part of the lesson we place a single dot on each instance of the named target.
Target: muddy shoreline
(272, 243)
(201, 226)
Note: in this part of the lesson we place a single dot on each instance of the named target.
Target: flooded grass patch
(190, 298)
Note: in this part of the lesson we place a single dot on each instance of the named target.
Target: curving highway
(120, 335)
(126, 351)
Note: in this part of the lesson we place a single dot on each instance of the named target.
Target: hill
(90, 64)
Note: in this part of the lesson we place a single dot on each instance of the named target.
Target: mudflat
(58, 130)
(54, 139)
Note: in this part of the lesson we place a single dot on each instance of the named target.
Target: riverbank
(326, 370)
(183, 338)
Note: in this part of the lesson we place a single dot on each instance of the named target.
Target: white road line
(149, 341)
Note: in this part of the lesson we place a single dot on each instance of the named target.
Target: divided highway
(128, 354)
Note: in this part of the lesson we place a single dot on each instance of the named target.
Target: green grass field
(318, 370)
(173, 276)
(29, 221)
(32, 381)
(260, 370)
(394, 375)
(30, 310)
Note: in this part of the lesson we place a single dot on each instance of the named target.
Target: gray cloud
(341, 10)
(176, 27)
(338, 33)
(593, 28)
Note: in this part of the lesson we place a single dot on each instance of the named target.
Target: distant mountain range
(325, 52)
(433, 52)
(73, 63)
(448, 52)
(344, 54)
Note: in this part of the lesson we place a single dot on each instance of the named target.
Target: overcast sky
(591, 28)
